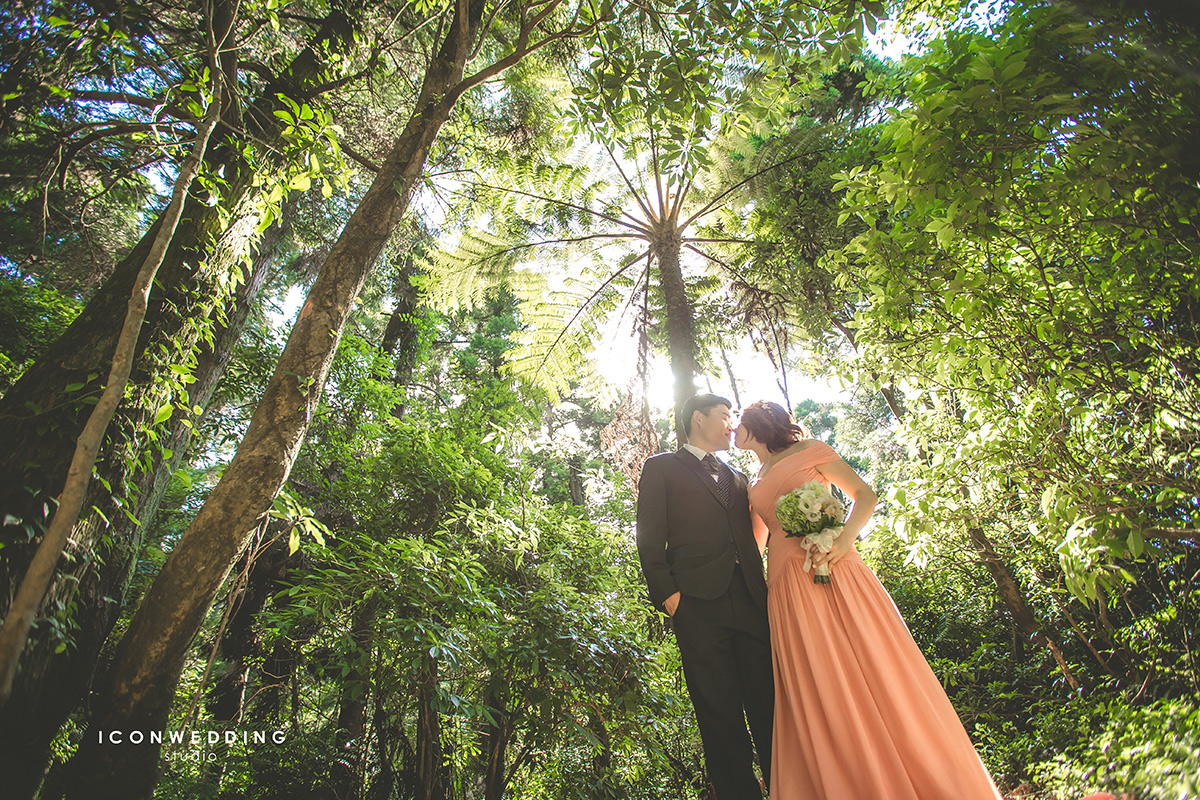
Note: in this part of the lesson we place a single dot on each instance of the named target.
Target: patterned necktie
(723, 482)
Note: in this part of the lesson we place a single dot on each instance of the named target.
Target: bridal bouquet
(815, 514)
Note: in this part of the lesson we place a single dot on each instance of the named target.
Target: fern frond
(564, 324)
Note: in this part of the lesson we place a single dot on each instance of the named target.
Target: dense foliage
(1031, 273)
(993, 243)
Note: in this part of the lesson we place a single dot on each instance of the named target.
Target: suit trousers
(725, 645)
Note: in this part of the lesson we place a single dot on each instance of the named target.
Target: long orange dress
(859, 715)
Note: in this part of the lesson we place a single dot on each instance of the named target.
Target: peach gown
(859, 715)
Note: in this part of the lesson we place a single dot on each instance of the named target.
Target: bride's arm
(845, 478)
(760, 529)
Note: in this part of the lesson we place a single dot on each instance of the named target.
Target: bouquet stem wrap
(823, 542)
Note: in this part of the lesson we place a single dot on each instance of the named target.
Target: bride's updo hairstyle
(772, 425)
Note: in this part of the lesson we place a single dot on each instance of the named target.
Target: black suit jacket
(687, 540)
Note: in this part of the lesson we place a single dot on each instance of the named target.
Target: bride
(858, 712)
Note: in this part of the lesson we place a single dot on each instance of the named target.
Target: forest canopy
(333, 336)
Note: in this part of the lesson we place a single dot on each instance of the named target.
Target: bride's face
(741, 436)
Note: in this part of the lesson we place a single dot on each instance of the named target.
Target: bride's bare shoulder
(800, 447)
(790, 450)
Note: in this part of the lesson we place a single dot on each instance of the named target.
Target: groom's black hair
(702, 403)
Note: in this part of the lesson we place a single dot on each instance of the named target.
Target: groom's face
(711, 431)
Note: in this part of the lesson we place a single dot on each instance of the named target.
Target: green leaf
(1012, 70)
(164, 413)
(1137, 544)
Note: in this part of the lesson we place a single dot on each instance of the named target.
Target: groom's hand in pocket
(671, 603)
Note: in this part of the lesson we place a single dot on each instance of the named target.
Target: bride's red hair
(772, 425)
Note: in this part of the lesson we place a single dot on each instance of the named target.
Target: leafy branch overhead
(652, 104)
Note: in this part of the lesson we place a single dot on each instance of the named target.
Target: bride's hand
(842, 546)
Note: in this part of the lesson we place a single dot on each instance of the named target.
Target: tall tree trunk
(681, 339)
(384, 781)
(352, 704)
(279, 668)
(400, 339)
(31, 570)
(737, 400)
(495, 749)
(32, 590)
(52, 684)
(602, 760)
(42, 420)
(575, 488)
(241, 643)
(91, 582)
(431, 774)
(149, 660)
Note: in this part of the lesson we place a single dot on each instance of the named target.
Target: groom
(704, 569)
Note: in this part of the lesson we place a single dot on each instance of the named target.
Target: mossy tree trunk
(138, 693)
(43, 420)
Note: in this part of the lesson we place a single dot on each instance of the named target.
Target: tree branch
(636, 195)
(719, 198)
(1178, 534)
(521, 51)
(579, 312)
(97, 96)
(259, 69)
(330, 86)
(359, 158)
(117, 129)
(639, 228)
